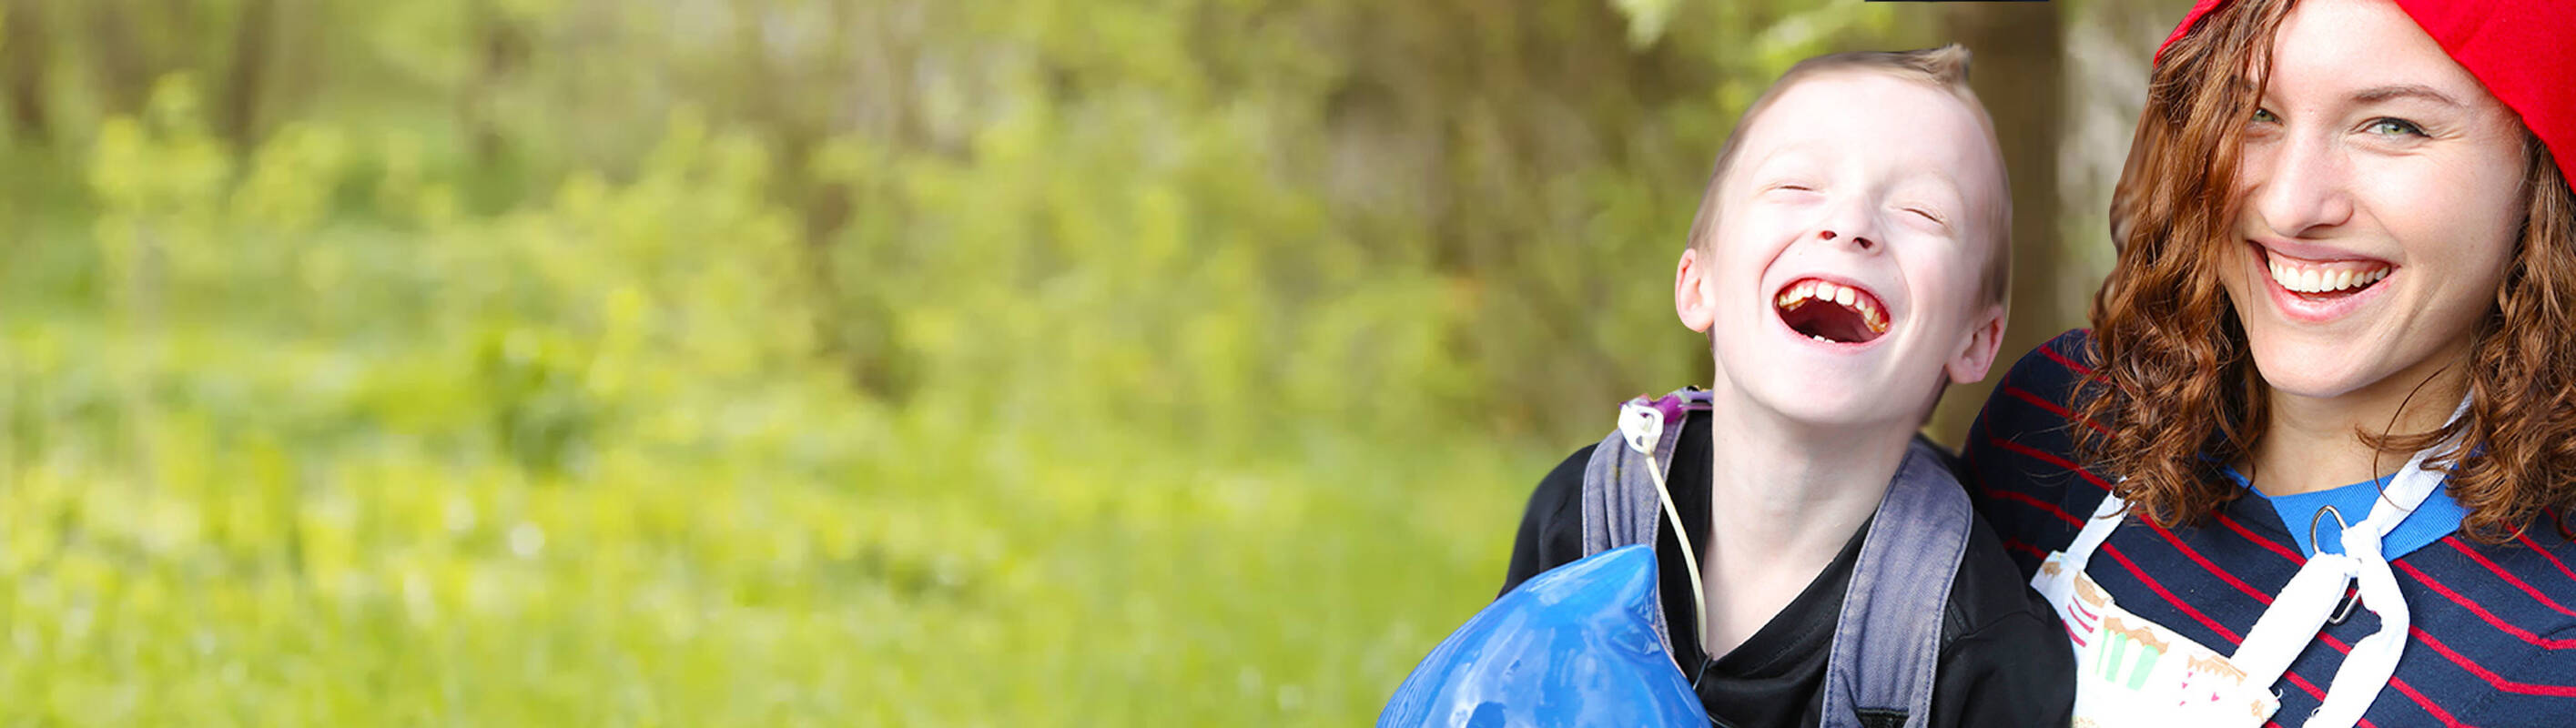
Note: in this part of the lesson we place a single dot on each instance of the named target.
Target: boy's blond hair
(1944, 68)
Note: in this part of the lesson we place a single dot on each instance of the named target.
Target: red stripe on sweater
(2544, 553)
(2052, 408)
(2401, 685)
(2017, 496)
(2051, 352)
(2259, 540)
(2178, 603)
(2204, 563)
(2429, 706)
(2456, 598)
(2304, 685)
(2034, 501)
(2456, 545)
(2499, 681)
(2312, 690)
(2050, 459)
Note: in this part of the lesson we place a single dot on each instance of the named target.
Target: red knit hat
(2523, 50)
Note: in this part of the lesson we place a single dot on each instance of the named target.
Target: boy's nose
(1856, 241)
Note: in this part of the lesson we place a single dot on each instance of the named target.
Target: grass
(300, 443)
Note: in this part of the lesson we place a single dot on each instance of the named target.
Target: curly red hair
(2176, 388)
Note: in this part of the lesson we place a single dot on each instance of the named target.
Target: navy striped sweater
(2494, 636)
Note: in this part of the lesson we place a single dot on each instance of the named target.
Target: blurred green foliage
(751, 362)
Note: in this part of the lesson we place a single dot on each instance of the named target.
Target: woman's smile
(2320, 291)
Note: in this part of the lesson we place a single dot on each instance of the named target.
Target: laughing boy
(1848, 262)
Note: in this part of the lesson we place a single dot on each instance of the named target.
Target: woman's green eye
(2394, 127)
(2264, 116)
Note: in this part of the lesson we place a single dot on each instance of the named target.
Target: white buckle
(1642, 426)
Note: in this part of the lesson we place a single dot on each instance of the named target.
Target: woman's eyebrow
(2403, 90)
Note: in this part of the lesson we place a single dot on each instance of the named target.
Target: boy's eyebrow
(1792, 149)
(1782, 154)
(1945, 188)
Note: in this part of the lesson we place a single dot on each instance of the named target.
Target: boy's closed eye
(1926, 205)
(1930, 218)
(1796, 188)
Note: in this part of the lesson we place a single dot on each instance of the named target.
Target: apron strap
(2301, 608)
(2300, 611)
(2106, 518)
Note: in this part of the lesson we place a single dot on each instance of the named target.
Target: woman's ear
(1977, 350)
(1691, 298)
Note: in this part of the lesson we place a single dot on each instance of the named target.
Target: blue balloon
(1574, 646)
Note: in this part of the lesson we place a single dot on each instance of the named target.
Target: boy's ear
(1690, 294)
(1977, 350)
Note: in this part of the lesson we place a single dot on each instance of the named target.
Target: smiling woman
(2333, 338)
(2364, 248)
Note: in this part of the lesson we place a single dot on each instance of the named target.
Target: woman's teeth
(2320, 279)
(1837, 294)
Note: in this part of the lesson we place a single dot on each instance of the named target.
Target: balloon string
(1672, 513)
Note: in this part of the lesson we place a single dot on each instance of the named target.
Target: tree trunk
(252, 39)
(2018, 72)
(124, 71)
(23, 55)
(500, 46)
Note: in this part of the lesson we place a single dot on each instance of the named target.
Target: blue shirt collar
(2438, 517)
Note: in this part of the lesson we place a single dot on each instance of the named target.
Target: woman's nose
(2299, 185)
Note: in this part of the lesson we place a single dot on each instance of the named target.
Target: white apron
(2132, 672)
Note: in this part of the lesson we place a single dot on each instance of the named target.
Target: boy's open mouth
(1827, 311)
(2323, 280)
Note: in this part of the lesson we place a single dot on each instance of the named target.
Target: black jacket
(2004, 657)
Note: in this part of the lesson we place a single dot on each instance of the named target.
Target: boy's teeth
(1838, 294)
(2305, 279)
